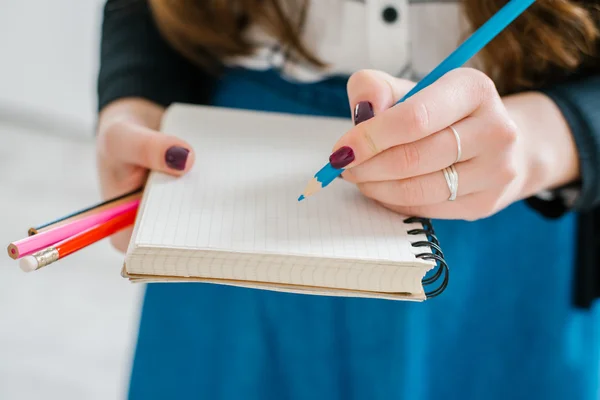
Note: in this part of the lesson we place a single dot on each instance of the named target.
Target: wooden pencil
(75, 243)
(32, 244)
(96, 208)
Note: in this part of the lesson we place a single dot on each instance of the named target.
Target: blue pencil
(477, 41)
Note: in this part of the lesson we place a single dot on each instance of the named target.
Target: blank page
(241, 195)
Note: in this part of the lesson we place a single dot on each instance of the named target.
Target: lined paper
(235, 215)
(241, 194)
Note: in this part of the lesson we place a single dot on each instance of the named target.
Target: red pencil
(77, 242)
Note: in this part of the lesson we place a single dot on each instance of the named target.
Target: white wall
(68, 332)
(48, 62)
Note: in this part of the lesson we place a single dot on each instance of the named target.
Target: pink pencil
(42, 240)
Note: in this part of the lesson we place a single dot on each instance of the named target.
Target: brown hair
(553, 37)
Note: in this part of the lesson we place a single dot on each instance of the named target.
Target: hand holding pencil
(77, 242)
(450, 147)
(344, 155)
(458, 125)
(129, 146)
(64, 236)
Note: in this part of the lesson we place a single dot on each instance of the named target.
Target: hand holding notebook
(234, 218)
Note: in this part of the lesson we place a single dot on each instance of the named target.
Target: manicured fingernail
(362, 112)
(341, 157)
(176, 157)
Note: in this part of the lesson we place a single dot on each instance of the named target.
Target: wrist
(548, 149)
(134, 110)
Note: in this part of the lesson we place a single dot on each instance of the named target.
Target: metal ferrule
(46, 257)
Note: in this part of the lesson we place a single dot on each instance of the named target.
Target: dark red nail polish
(176, 157)
(362, 112)
(341, 157)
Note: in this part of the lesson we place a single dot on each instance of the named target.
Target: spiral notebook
(234, 219)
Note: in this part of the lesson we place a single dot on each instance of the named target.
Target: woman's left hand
(400, 155)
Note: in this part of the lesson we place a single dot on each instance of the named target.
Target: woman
(506, 327)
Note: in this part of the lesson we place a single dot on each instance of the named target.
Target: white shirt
(405, 38)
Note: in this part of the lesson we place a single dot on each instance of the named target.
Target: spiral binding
(436, 254)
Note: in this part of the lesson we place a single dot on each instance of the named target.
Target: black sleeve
(579, 102)
(135, 61)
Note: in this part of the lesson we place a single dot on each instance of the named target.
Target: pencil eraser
(28, 264)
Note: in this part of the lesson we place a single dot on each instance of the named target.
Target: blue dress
(504, 328)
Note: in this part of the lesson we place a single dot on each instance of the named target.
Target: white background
(66, 332)
(49, 56)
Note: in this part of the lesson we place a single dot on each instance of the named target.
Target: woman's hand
(510, 148)
(129, 145)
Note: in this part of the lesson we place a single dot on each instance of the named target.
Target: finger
(120, 240)
(369, 93)
(116, 179)
(459, 209)
(467, 208)
(431, 154)
(376, 89)
(452, 98)
(133, 144)
(427, 189)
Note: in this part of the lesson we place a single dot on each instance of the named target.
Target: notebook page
(420, 296)
(241, 195)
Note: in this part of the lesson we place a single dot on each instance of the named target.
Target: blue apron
(504, 328)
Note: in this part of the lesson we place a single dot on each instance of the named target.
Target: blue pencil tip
(301, 197)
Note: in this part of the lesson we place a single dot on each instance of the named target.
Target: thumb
(133, 144)
(371, 92)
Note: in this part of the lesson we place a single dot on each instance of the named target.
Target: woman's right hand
(129, 145)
